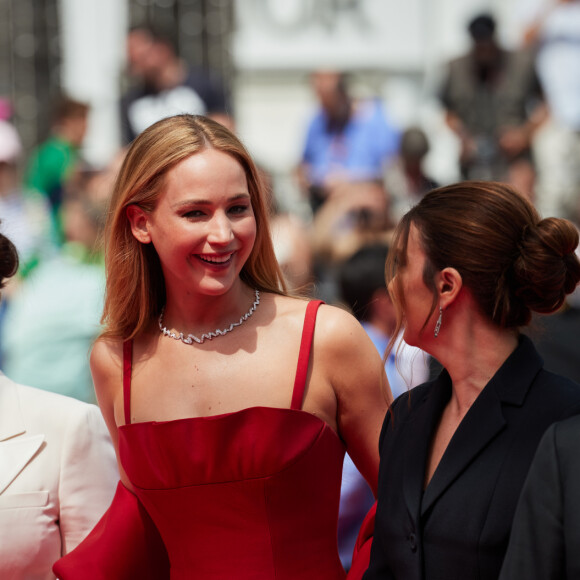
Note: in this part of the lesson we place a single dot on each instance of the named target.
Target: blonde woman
(230, 403)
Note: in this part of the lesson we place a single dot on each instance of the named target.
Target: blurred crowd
(358, 174)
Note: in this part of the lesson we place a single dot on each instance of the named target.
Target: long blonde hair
(135, 288)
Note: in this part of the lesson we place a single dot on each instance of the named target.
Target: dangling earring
(438, 323)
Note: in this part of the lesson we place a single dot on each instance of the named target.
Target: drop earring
(438, 323)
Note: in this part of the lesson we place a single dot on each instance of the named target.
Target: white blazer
(58, 475)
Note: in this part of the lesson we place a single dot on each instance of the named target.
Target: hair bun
(547, 268)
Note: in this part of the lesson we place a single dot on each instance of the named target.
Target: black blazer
(459, 527)
(545, 539)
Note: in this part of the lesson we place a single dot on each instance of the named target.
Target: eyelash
(197, 213)
(238, 209)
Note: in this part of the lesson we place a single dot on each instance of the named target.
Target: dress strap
(304, 354)
(127, 364)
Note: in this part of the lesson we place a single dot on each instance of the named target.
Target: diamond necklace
(191, 338)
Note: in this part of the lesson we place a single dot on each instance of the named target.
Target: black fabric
(459, 527)
(545, 538)
(211, 92)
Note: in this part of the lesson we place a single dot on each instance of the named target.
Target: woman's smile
(216, 259)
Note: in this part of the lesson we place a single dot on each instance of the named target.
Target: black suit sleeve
(536, 549)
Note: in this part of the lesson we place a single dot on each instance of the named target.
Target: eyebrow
(200, 201)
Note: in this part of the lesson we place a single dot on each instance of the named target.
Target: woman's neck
(205, 312)
(472, 354)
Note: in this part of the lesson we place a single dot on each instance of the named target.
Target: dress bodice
(252, 494)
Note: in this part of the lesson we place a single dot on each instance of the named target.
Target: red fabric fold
(362, 549)
(124, 545)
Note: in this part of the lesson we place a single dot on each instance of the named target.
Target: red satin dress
(252, 494)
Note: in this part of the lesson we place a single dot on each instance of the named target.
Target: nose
(220, 229)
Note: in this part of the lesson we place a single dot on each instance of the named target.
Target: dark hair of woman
(513, 261)
(8, 259)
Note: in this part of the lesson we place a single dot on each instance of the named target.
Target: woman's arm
(357, 375)
(107, 371)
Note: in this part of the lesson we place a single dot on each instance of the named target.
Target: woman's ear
(139, 220)
(450, 284)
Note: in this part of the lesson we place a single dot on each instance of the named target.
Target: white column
(93, 54)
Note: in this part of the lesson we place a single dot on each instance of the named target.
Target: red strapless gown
(247, 495)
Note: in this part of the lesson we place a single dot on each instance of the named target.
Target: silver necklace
(191, 338)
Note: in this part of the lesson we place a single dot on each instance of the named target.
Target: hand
(514, 140)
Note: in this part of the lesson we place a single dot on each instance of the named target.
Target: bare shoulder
(285, 311)
(346, 351)
(295, 307)
(340, 332)
(339, 338)
(287, 305)
(338, 319)
(106, 355)
(335, 328)
(106, 362)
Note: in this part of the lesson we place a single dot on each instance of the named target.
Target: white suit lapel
(16, 449)
(15, 454)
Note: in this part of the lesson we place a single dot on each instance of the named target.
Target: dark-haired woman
(471, 262)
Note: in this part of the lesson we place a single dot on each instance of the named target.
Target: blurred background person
(264, 53)
(354, 213)
(347, 140)
(494, 103)
(554, 36)
(291, 237)
(25, 214)
(53, 164)
(293, 249)
(57, 469)
(363, 290)
(164, 84)
(62, 300)
(406, 180)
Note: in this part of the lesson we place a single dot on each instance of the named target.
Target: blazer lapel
(485, 419)
(420, 432)
(16, 449)
(479, 426)
(15, 455)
